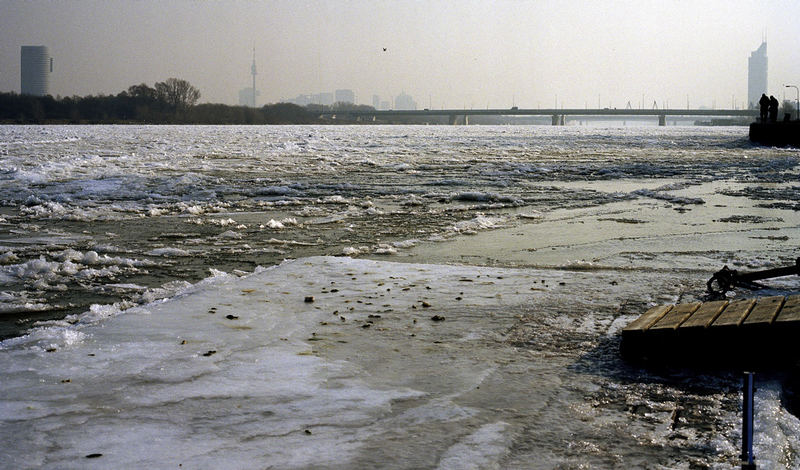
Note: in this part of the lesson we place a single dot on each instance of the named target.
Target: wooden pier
(754, 332)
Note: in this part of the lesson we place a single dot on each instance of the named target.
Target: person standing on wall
(773, 109)
(764, 104)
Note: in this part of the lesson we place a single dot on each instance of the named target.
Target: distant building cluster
(404, 102)
(304, 100)
(326, 99)
(247, 97)
(36, 65)
(400, 102)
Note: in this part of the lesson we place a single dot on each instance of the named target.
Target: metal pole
(748, 460)
(797, 102)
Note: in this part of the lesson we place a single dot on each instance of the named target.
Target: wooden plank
(677, 315)
(647, 319)
(735, 313)
(764, 311)
(790, 311)
(705, 315)
(694, 331)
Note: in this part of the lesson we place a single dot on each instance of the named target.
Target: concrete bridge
(558, 116)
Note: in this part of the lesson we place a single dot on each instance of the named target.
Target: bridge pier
(558, 119)
(456, 119)
(662, 119)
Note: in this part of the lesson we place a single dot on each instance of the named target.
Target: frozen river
(453, 300)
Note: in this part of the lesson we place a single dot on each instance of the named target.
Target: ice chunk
(168, 252)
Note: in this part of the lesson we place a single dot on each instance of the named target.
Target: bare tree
(177, 94)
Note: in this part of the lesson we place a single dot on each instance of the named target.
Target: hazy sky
(443, 53)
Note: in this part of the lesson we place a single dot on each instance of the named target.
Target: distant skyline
(452, 54)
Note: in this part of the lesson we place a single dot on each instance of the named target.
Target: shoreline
(364, 373)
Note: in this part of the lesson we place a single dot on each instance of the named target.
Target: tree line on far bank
(172, 101)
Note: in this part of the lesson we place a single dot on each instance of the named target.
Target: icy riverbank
(389, 365)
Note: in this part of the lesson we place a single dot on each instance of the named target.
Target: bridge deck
(547, 112)
(754, 332)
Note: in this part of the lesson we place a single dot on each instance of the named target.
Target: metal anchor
(727, 279)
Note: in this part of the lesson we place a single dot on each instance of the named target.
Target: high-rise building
(376, 101)
(757, 75)
(36, 65)
(344, 96)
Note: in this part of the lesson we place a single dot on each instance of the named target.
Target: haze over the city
(452, 54)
